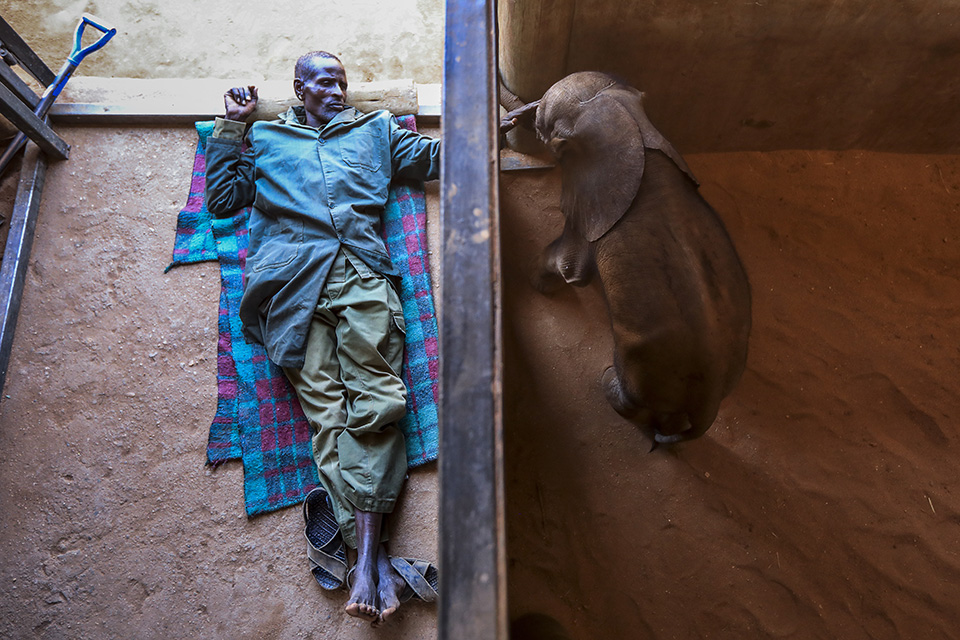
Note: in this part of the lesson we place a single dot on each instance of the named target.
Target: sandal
(325, 548)
(422, 578)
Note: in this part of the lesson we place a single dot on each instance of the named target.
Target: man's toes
(362, 610)
(384, 615)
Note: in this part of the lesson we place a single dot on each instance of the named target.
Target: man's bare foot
(363, 593)
(390, 587)
(363, 597)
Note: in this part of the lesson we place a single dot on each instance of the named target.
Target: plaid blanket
(258, 418)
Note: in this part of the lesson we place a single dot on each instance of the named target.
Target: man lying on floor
(320, 289)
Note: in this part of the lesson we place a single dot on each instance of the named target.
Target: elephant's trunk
(508, 99)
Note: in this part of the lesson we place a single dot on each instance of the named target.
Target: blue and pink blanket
(258, 418)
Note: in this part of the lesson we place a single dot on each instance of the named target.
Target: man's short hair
(306, 58)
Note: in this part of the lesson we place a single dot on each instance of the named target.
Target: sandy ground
(823, 503)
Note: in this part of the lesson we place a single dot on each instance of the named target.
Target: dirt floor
(823, 503)
(113, 526)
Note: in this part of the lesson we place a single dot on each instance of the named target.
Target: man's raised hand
(240, 102)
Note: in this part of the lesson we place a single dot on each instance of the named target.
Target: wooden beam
(24, 54)
(472, 531)
(35, 128)
(16, 255)
(91, 100)
(136, 101)
(82, 114)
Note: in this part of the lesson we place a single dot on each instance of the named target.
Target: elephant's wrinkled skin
(678, 296)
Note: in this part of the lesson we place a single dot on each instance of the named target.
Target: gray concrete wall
(240, 39)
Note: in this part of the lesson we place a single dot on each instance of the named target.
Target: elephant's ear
(632, 101)
(602, 165)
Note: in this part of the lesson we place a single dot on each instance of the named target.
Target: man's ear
(298, 88)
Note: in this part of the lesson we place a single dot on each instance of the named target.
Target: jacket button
(321, 140)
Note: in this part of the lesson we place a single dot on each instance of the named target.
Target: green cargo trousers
(352, 393)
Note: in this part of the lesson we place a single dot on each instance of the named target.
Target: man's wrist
(228, 128)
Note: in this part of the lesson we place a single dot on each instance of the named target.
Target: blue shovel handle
(54, 89)
(79, 53)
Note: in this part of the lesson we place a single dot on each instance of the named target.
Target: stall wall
(735, 75)
(246, 40)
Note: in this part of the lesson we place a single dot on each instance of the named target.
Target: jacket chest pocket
(361, 149)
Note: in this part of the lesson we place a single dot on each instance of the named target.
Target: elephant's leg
(568, 259)
(671, 424)
(546, 277)
(699, 420)
(623, 403)
(621, 400)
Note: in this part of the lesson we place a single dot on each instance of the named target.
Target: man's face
(322, 86)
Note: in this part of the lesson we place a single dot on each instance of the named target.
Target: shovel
(46, 100)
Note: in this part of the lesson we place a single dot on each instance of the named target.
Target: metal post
(472, 546)
(16, 255)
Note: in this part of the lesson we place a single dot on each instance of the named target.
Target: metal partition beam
(32, 125)
(24, 54)
(472, 546)
(16, 255)
(19, 88)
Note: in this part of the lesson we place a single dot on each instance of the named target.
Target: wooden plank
(89, 99)
(16, 255)
(514, 161)
(25, 56)
(133, 101)
(82, 114)
(20, 88)
(35, 128)
(472, 537)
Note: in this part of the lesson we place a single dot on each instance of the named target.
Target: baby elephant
(677, 293)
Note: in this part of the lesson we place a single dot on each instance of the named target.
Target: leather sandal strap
(414, 573)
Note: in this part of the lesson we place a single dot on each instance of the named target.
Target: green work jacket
(312, 190)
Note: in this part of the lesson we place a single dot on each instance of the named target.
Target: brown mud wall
(736, 75)
(240, 39)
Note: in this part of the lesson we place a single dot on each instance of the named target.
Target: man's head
(321, 83)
